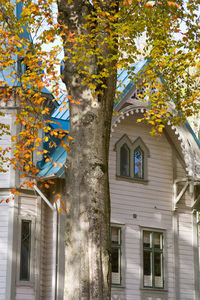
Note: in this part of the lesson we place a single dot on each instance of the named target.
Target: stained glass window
(138, 163)
(25, 250)
(124, 161)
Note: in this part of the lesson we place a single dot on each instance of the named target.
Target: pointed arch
(131, 158)
(140, 154)
(123, 148)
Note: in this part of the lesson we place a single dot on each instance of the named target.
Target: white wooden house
(154, 187)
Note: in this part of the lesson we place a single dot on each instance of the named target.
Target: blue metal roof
(62, 118)
(124, 81)
(18, 10)
(56, 163)
(61, 115)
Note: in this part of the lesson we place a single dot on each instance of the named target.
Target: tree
(99, 37)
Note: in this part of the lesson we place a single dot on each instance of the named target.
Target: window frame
(29, 222)
(31, 281)
(164, 262)
(138, 143)
(123, 140)
(121, 227)
(129, 159)
(142, 153)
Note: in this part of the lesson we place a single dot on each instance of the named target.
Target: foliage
(172, 49)
(27, 69)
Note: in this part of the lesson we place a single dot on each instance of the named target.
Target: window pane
(147, 239)
(158, 240)
(138, 163)
(158, 269)
(124, 160)
(116, 255)
(147, 264)
(115, 265)
(25, 250)
(115, 260)
(115, 235)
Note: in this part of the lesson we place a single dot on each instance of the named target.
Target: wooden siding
(185, 241)
(47, 254)
(27, 209)
(6, 142)
(43, 250)
(4, 215)
(134, 205)
(151, 205)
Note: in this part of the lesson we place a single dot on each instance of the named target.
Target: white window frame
(122, 251)
(31, 280)
(132, 147)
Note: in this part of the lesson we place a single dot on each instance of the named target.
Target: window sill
(131, 179)
(118, 286)
(25, 283)
(154, 289)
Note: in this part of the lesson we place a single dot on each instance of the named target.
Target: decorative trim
(191, 157)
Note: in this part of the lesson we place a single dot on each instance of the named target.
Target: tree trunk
(87, 236)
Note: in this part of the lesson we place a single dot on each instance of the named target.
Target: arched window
(140, 156)
(138, 163)
(132, 159)
(124, 161)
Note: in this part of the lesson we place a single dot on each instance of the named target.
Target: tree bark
(87, 236)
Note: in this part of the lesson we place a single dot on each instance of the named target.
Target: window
(25, 252)
(116, 254)
(124, 160)
(132, 159)
(153, 260)
(138, 163)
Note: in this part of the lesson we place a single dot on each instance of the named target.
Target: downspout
(55, 213)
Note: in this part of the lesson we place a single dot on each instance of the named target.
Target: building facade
(154, 188)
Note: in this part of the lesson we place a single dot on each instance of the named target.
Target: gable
(182, 136)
